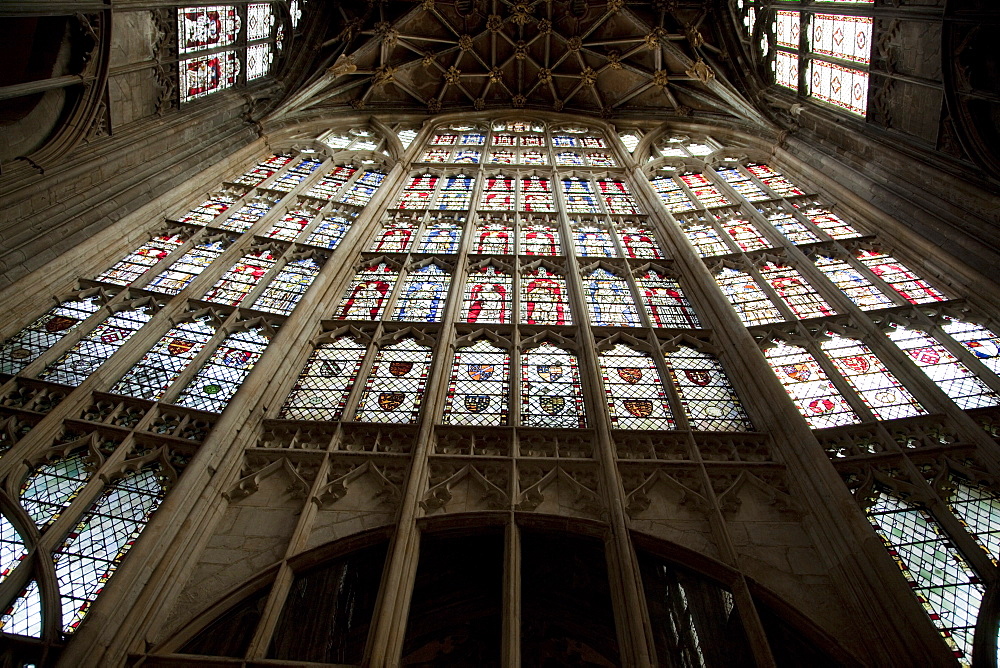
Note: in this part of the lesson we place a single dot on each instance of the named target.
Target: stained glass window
(569, 159)
(797, 294)
(979, 510)
(536, 195)
(25, 346)
(498, 194)
(204, 75)
(551, 395)
(332, 183)
(983, 343)
(241, 278)
(638, 241)
(435, 155)
(791, 228)
(910, 286)
(592, 241)
(630, 140)
(634, 392)
(201, 28)
(704, 191)
(878, 387)
(423, 295)
(751, 304)
(578, 196)
(617, 198)
(142, 259)
(395, 237)
(441, 237)
(176, 277)
(842, 86)
(707, 396)
(366, 295)
(845, 37)
(259, 59)
(946, 586)
(775, 181)
(829, 222)
(221, 376)
(321, 391)
(287, 288)
(954, 378)
(24, 616)
(665, 304)
(500, 157)
(264, 170)
(859, 289)
(540, 239)
(745, 234)
(164, 362)
(742, 184)
(362, 190)
(294, 176)
(95, 348)
(609, 300)
(210, 209)
(291, 225)
(329, 233)
(543, 298)
(487, 296)
(95, 548)
(787, 32)
(672, 194)
(478, 388)
(244, 218)
(704, 237)
(494, 238)
(809, 388)
(786, 69)
(395, 385)
(456, 193)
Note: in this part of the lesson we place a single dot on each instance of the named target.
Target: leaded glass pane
(540, 239)
(673, 196)
(423, 295)
(95, 348)
(321, 391)
(164, 362)
(25, 346)
(665, 304)
(706, 193)
(95, 548)
(635, 395)
(791, 228)
(742, 184)
(366, 295)
(775, 181)
(639, 241)
(617, 198)
(244, 218)
(210, 209)
(24, 616)
(751, 304)
(12, 549)
(609, 300)
(264, 170)
(287, 288)
(259, 59)
(456, 193)
(786, 69)
(842, 86)
(978, 509)
(201, 28)
(705, 239)
(859, 289)
(708, 398)
(983, 343)
(478, 388)
(260, 21)
(487, 296)
(329, 233)
(810, 390)
(787, 29)
(395, 237)
(536, 195)
(204, 75)
(290, 226)
(142, 259)
(745, 234)
(363, 189)
(241, 278)
(578, 196)
(829, 222)
(494, 238)
(51, 487)
(954, 378)
(878, 387)
(944, 583)
(498, 194)
(910, 286)
(179, 274)
(221, 376)
(440, 237)
(592, 240)
(543, 298)
(395, 386)
(551, 395)
(846, 37)
(332, 183)
(287, 181)
(795, 291)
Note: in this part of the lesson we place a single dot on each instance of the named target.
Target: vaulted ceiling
(609, 58)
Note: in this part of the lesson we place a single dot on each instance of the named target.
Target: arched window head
(395, 384)
(479, 386)
(551, 395)
(636, 397)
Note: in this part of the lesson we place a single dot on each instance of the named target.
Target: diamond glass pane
(95, 348)
(846, 37)
(95, 548)
(160, 366)
(978, 509)
(423, 295)
(142, 259)
(551, 395)
(948, 373)
(609, 300)
(910, 286)
(259, 59)
(707, 396)
(795, 291)
(177, 276)
(479, 386)
(983, 343)
(810, 390)
(842, 86)
(25, 346)
(543, 298)
(321, 391)
(634, 392)
(487, 296)
(665, 304)
(395, 385)
(221, 376)
(260, 21)
(859, 289)
(286, 289)
(786, 69)
(24, 616)
(367, 294)
(878, 387)
(945, 585)
(751, 304)
(787, 29)
(241, 278)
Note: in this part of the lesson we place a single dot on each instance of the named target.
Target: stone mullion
(836, 528)
(511, 642)
(285, 577)
(840, 384)
(964, 355)
(751, 270)
(877, 280)
(193, 240)
(634, 628)
(222, 332)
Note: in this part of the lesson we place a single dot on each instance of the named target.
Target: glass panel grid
(543, 298)
(24, 616)
(362, 190)
(877, 386)
(842, 86)
(665, 303)
(809, 388)
(241, 278)
(910, 286)
(795, 291)
(494, 238)
(638, 241)
(846, 37)
(609, 300)
(209, 210)
(707, 396)
(633, 390)
(287, 288)
(184, 270)
(204, 75)
(551, 395)
(487, 296)
(366, 295)
(26, 346)
(245, 217)
(141, 260)
(592, 240)
(745, 234)
(423, 295)
(673, 196)
(201, 28)
(478, 387)
(164, 362)
(540, 239)
(746, 297)
(982, 342)
(95, 348)
(330, 232)
(321, 391)
(853, 283)
(221, 376)
(978, 509)
(395, 385)
(332, 183)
